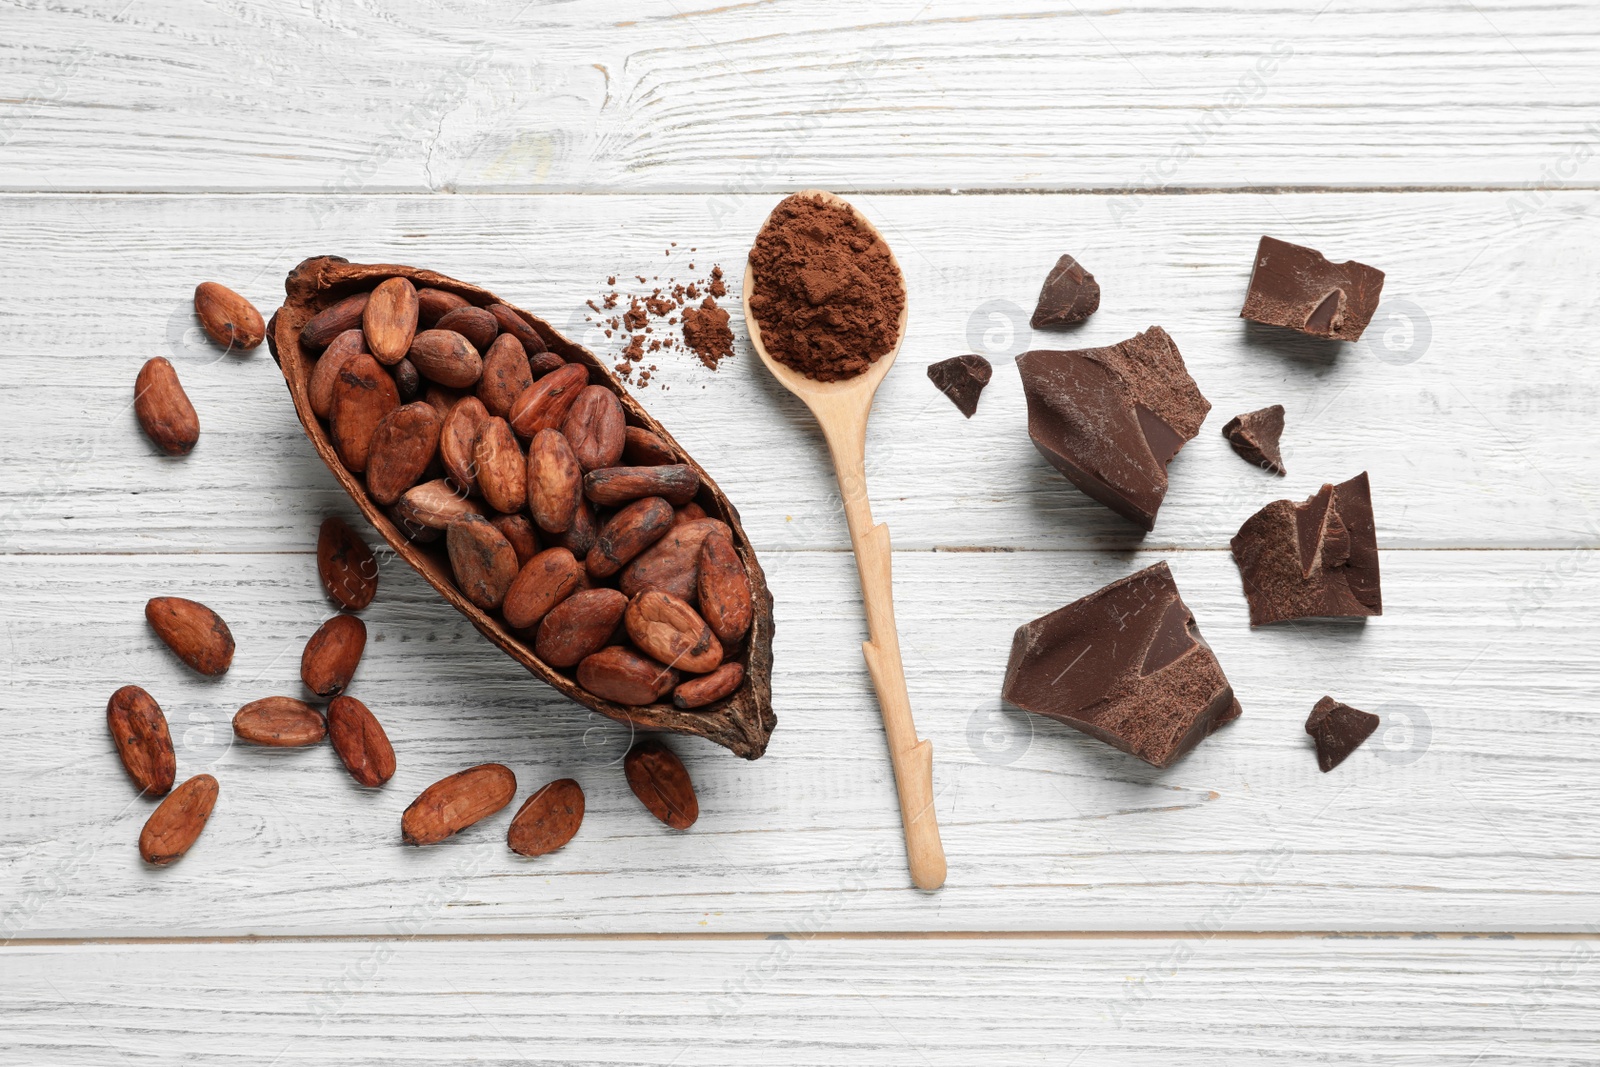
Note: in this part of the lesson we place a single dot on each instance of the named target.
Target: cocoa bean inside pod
(332, 655)
(667, 628)
(363, 393)
(595, 427)
(512, 322)
(642, 448)
(347, 344)
(335, 319)
(724, 587)
(163, 408)
(434, 304)
(403, 445)
(624, 676)
(279, 722)
(475, 324)
(677, 482)
(482, 560)
(545, 403)
(390, 320)
(544, 363)
(446, 357)
(579, 538)
(555, 481)
(433, 504)
(628, 533)
(672, 564)
(348, 570)
(579, 626)
(543, 582)
(502, 468)
(506, 374)
(519, 531)
(457, 440)
(709, 688)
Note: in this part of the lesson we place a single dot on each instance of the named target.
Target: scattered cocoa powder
(827, 294)
(706, 330)
(663, 317)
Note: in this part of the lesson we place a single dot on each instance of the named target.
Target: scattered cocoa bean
(279, 722)
(228, 318)
(348, 570)
(163, 408)
(452, 804)
(659, 779)
(548, 819)
(139, 730)
(175, 825)
(358, 738)
(332, 654)
(193, 631)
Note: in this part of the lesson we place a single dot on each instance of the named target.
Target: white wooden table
(1433, 901)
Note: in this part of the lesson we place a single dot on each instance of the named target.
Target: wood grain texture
(1447, 1003)
(445, 95)
(1481, 670)
(1483, 439)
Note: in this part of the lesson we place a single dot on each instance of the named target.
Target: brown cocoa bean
(457, 439)
(724, 587)
(547, 820)
(362, 395)
(475, 324)
(661, 782)
(433, 504)
(442, 399)
(433, 304)
(446, 357)
(501, 466)
(579, 538)
(163, 408)
(622, 676)
(543, 363)
(545, 403)
(555, 481)
(452, 804)
(358, 738)
(319, 390)
(672, 564)
(279, 722)
(193, 631)
(390, 320)
(667, 628)
(688, 513)
(139, 730)
(506, 373)
(331, 656)
(677, 482)
(543, 582)
(642, 448)
(407, 382)
(333, 320)
(595, 427)
(403, 445)
(517, 326)
(519, 531)
(228, 318)
(578, 626)
(175, 825)
(410, 528)
(708, 688)
(348, 570)
(482, 560)
(628, 533)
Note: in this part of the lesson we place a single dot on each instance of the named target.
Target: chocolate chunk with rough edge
(1317, 559)
(1296, 287)
(1070, 295)
(1338, 729)
(1254, 435)
(1110, 419)
(1126, 665)
(962, 378)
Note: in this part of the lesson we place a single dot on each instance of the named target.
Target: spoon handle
(912, 759)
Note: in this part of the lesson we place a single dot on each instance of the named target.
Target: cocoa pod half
(163, 408)
(452, 804)
(659, 779)
(332, 655)
(193, 631)
(139, 730)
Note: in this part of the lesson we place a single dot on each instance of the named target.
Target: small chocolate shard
(1126, 665)
(1338, 730)
(1070, 295)
(1296, 287)
(1110, 419)
(962, 378)
(1318, 559)
(1254, 435)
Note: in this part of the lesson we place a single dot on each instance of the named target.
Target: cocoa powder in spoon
(826, 292)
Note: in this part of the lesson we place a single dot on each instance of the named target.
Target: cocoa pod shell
(709, 688)
(724, 587)
(501, 467)
(403, 445)
(545, 403)
(163, 408)
(668, 629)
(624, 677)
(144, 745)
(279, 722)
(579, 626)
(512, 322)
(628, 533)
(475, 324)
(595, 428)
(555, 481)
(548, 819)
(482, 560)
(612, 486)
(434, 304)
(333, 320)
(363, 393)
(347, 344)
(446, 357)
(332, 655)
(347, 567)
(193, 631)
(175, 825)
(661, 782)
(457, 440)
(228, 318)
(506, 374)
(390, 320)
(641, 448)
(360, 742)
(519, 531)
(452, 804)
(543, 582)
(672, 564)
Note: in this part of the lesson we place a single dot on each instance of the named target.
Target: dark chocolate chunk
(1110, 419)
(1070, 295)
(1295, 286)
(1254, 436)
(1338, 729)
(1126, 665)
(1318, 559)
(962, 378)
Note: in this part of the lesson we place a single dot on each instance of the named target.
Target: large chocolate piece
(1295, 286)
(1318, 559)
(1111, 419)
(1338, 730)
(1254, 435)
(1070, 295)
(962, 378)
(1126, 665)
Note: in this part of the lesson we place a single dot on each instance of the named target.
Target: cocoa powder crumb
(827, 294)
(706, 331)
(636, 315)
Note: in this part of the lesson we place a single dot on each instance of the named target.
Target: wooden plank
(1476, 434)
(1449, 1003)
(652, 96)
(1481, 669)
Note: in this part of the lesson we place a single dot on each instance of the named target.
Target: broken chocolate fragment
(1070, 295)
(1318, 559)
(1338, 729)
(1296, 287)
(1111, 419)
(962, 378)
(1254, 435)
(1126, 665)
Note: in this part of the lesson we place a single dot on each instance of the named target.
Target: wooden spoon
(841, 408)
